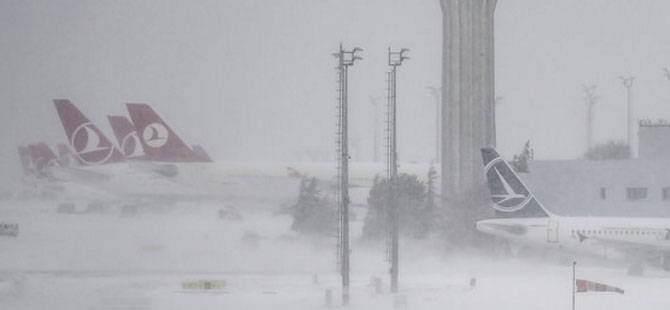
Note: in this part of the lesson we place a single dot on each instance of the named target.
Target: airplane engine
(169, 171)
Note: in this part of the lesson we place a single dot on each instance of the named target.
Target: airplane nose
(485, 227)
(481, 226)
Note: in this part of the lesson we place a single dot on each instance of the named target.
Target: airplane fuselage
(581, 234)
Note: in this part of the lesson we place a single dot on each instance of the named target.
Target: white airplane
(150, 151)
(522, 219)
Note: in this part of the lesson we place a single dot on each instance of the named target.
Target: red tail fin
(125, 133)
(159, 141)
(198, 149)
(42, 158)
(89, 144)
(65, 156)
(26, 161)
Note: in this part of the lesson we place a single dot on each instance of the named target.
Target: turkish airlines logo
(129, 145)
(155, 135)
(504, 195)
(89, 146)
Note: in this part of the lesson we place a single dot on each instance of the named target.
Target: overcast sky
(255, 80)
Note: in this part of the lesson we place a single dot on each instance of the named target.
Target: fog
(255, 82)
(242, 67)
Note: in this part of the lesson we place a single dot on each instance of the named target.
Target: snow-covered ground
(109, 261)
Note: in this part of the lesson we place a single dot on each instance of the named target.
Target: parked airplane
(103, 167)
(159, 141)
(521, 218)
(154, 163)
(37, 161)
(41, 158)
(167, 158)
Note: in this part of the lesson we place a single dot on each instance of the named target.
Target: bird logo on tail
(88, 145)
(155, 135)
(130, 145)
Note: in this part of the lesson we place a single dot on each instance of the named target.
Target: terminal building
(638, 187)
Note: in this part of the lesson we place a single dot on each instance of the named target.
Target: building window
(636, 193)
(666, 193)
(603, 193)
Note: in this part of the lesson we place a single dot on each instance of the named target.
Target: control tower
(468, 112)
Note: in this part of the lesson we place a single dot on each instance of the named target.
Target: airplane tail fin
(43, 158)
(125, 133)
(26, 161)
(65, 156)
(198, 149)
(510, 197)
(89, 144)
(159, 141)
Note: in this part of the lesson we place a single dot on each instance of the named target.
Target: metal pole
(345, 193)
(628, 83)
(573, 284)
(346, 59)
(394, 189)
(375, 102)
(395, 60)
